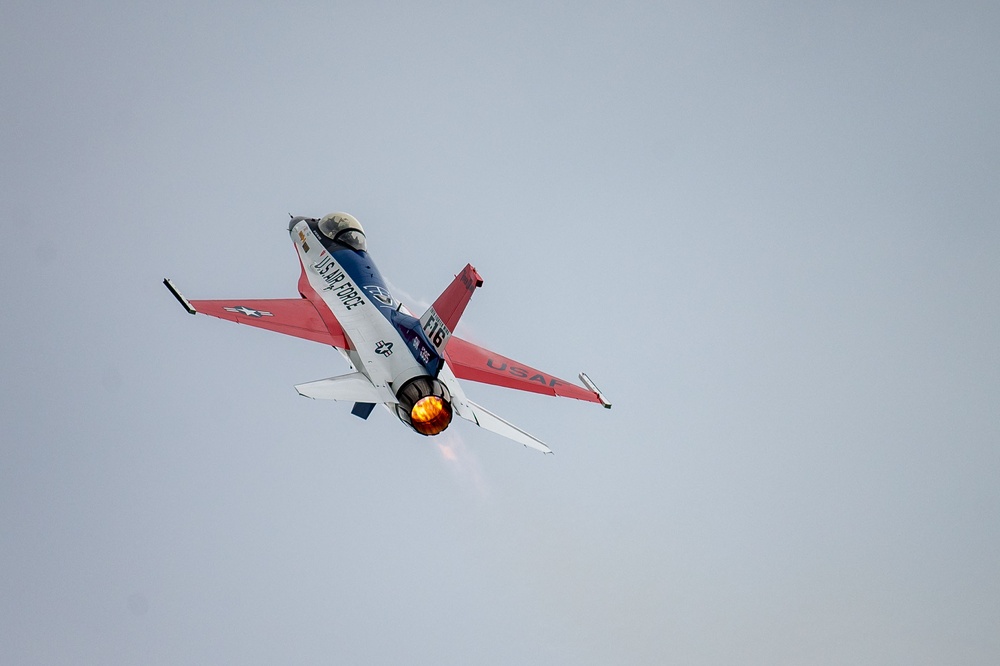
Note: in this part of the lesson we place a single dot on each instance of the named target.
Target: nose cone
(295, 220)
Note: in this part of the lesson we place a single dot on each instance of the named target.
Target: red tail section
(450, 305)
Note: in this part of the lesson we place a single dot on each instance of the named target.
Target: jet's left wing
(292, 316)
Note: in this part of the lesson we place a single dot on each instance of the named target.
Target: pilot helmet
(343, 228)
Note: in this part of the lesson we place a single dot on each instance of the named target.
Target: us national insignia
(250, 312)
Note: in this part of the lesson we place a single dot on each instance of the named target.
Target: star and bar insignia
(249, 312)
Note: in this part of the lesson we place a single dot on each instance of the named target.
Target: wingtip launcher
(179, 296)
(593, 387)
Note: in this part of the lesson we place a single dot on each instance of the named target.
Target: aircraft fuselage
(411, 366)
(386, 344)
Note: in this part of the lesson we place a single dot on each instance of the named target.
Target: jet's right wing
(477, 364)
(472, 362)
(483, 417)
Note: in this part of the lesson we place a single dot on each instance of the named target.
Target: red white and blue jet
(409, 365)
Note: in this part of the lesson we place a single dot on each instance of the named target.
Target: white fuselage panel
(379, 351)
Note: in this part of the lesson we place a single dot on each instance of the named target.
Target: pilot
(344, 229)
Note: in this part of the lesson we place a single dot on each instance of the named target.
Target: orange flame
(430, 415)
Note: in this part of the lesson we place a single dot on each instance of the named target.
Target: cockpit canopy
(344, 228)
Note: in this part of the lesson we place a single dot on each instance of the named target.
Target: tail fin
(442, 317)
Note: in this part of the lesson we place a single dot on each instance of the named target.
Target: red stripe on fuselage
(326, 314)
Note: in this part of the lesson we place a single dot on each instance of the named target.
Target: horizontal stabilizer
(353, 387)
(490, 421)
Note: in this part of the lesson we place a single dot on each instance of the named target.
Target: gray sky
(768, 231)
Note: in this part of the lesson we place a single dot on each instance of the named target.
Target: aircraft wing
(292, 316)
(477, 364)
(484, 418)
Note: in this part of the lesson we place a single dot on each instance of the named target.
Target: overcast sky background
(768, 231)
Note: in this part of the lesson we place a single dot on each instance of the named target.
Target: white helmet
(343, 228)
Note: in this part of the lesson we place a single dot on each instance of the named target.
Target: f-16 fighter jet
(410, 365)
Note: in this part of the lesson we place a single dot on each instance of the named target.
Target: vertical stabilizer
(442, 317)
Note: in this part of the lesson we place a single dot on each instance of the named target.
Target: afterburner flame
(430, 415)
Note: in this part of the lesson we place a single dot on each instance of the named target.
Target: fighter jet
(410, 365)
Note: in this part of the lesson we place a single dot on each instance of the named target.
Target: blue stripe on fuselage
(362, 270)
